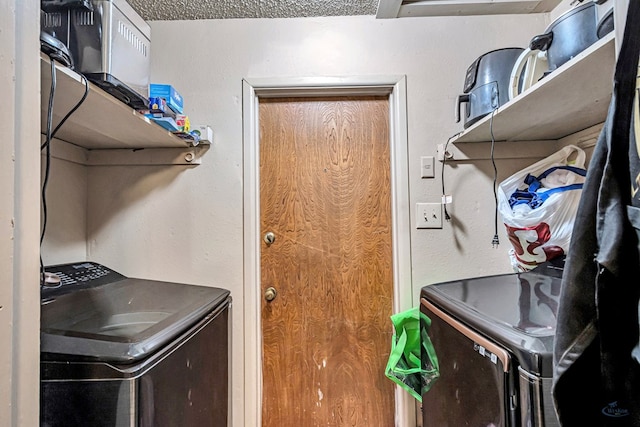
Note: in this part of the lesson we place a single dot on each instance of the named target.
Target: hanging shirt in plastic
(596, 353)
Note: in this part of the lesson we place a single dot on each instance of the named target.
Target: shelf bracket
(189, 156)
(465, 152)
(174, 156)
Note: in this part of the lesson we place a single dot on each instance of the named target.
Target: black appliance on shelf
(54, 28)
(493, 337)
(55, 49)
(568, 35)
(486, 84)
(118, 351)
(109, 42)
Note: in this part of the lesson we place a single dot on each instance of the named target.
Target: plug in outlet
(428, 215)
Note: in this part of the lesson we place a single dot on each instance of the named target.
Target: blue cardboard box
(169, 94)
(166, 122)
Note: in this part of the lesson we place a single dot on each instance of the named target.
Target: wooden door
(325, 195)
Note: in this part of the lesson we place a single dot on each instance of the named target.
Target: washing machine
(493, 338)
(124, 352)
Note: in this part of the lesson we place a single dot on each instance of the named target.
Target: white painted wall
(66, 200)
(184, 224)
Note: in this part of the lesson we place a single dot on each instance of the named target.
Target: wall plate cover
(428, 215)
(427, 164)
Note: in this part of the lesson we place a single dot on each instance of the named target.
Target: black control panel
(64, 278)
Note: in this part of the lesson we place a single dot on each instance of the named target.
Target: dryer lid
(516, 310)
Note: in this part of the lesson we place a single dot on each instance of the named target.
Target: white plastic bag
(540, 229)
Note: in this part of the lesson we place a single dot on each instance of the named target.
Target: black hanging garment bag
(596, 352)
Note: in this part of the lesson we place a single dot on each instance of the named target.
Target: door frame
(395, 87)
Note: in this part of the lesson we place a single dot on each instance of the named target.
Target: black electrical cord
(444, 162)
(495, 241)
(47, 147)
(73, 110)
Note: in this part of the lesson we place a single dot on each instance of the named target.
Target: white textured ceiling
(166, 10)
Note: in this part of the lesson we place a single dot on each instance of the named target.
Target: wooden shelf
(102, 121)
(416, 8)
(572, 98)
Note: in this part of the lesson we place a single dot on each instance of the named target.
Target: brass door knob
(270, 293)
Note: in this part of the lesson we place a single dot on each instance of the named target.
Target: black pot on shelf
(605, 24)
(567, 36)
(486, 84)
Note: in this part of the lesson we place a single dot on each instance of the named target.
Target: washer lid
(122, 321)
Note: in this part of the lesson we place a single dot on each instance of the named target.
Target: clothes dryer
(493, 337)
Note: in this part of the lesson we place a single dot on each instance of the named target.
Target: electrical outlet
(428, 215)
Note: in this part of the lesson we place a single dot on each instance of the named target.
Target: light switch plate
(427, 164)
(428, 215)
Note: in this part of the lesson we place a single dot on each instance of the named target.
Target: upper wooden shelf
(102, 121)
(574, 97)
(415, 8)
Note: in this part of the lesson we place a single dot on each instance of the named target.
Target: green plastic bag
(412, 364)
